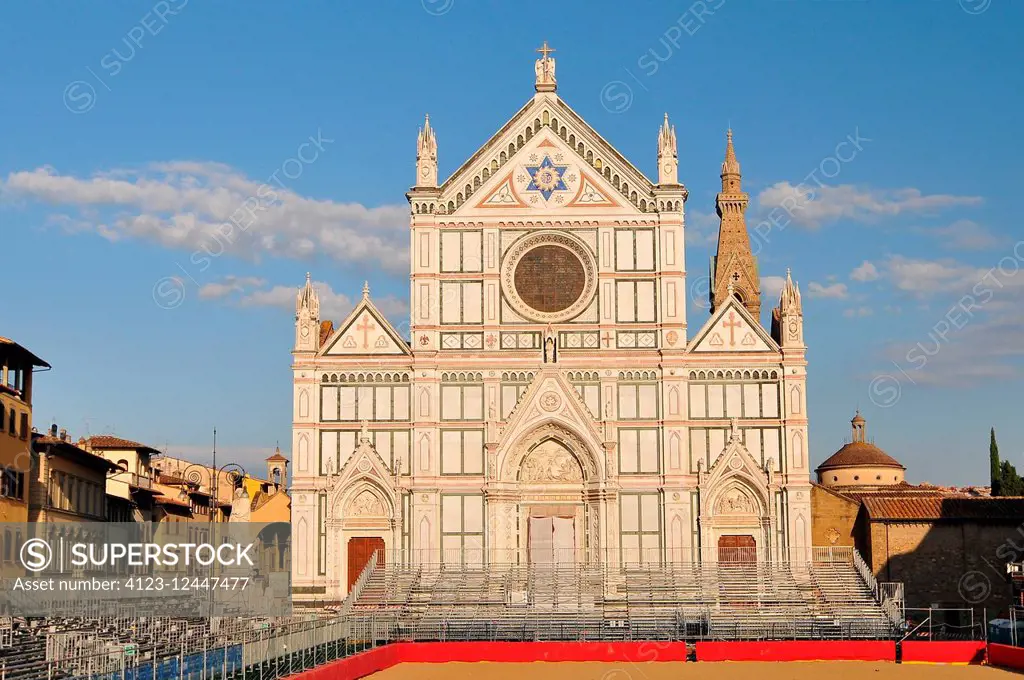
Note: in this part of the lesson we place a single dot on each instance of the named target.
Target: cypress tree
(995, 471)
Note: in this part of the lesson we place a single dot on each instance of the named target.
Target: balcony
(140, 481)
(134, 479)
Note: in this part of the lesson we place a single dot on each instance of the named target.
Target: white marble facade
(546, 400)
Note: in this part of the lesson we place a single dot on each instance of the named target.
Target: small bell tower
(788, 317)
(307, 319)
(277, 470)
(426, 156)
(668, 156)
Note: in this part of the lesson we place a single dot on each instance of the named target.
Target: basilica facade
(547, 402)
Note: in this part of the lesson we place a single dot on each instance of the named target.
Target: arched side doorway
(735, 524)
(365, 526)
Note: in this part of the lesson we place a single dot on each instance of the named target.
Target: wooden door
(737, 549)
(360, 550)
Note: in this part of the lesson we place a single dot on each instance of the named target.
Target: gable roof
(538, 114)
(937, 507)
(352, 336)
(721, 334)
(110, 442)
(549, 380)
(67, 448)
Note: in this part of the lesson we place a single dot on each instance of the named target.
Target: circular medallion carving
(364, 465)
(672, 337)
(735, 463)
(832, 535)
(305, 331)
(550, 401)
(549, 277)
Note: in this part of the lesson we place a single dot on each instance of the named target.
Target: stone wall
(957, 563)
(833, 518)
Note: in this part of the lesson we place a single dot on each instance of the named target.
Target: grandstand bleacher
(830, 594)
(823, 597)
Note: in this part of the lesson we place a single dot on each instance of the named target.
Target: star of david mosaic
(546, 178)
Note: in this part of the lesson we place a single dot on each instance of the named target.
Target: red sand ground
(754, 670)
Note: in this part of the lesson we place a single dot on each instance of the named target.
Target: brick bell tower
(734, 267)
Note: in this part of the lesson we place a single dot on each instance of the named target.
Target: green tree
(995, 472)
(1010, 483)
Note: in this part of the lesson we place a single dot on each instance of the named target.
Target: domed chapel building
(549, 402)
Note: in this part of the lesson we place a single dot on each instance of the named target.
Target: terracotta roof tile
(860, 454)
(108, 441)
(326, 328)
(167, 500)
(940, 507)
(66, 445)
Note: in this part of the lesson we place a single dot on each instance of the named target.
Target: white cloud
(975, 324)
(210, 209)
(228, 285)
(865, 272)
(961, 350)
(835, 291)
(253, 292)
(858, 312)
(701, 228)
(771, 287)
(965, 235)
(814, 207)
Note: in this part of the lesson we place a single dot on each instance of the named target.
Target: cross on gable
(732, 324)
(365, 326)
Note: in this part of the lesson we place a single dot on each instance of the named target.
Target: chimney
(63, 434)
(53, 430)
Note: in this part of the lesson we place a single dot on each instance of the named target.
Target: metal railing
(940, 623)
(480, 556)
(821, 597)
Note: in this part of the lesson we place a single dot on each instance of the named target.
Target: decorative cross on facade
(545, 50)
(733, 280)
(606, 338)
(365, 326)
(732, 324)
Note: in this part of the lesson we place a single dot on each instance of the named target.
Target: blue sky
(130, 128)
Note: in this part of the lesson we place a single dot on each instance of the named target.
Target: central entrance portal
(736, 550)
(552, 540)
